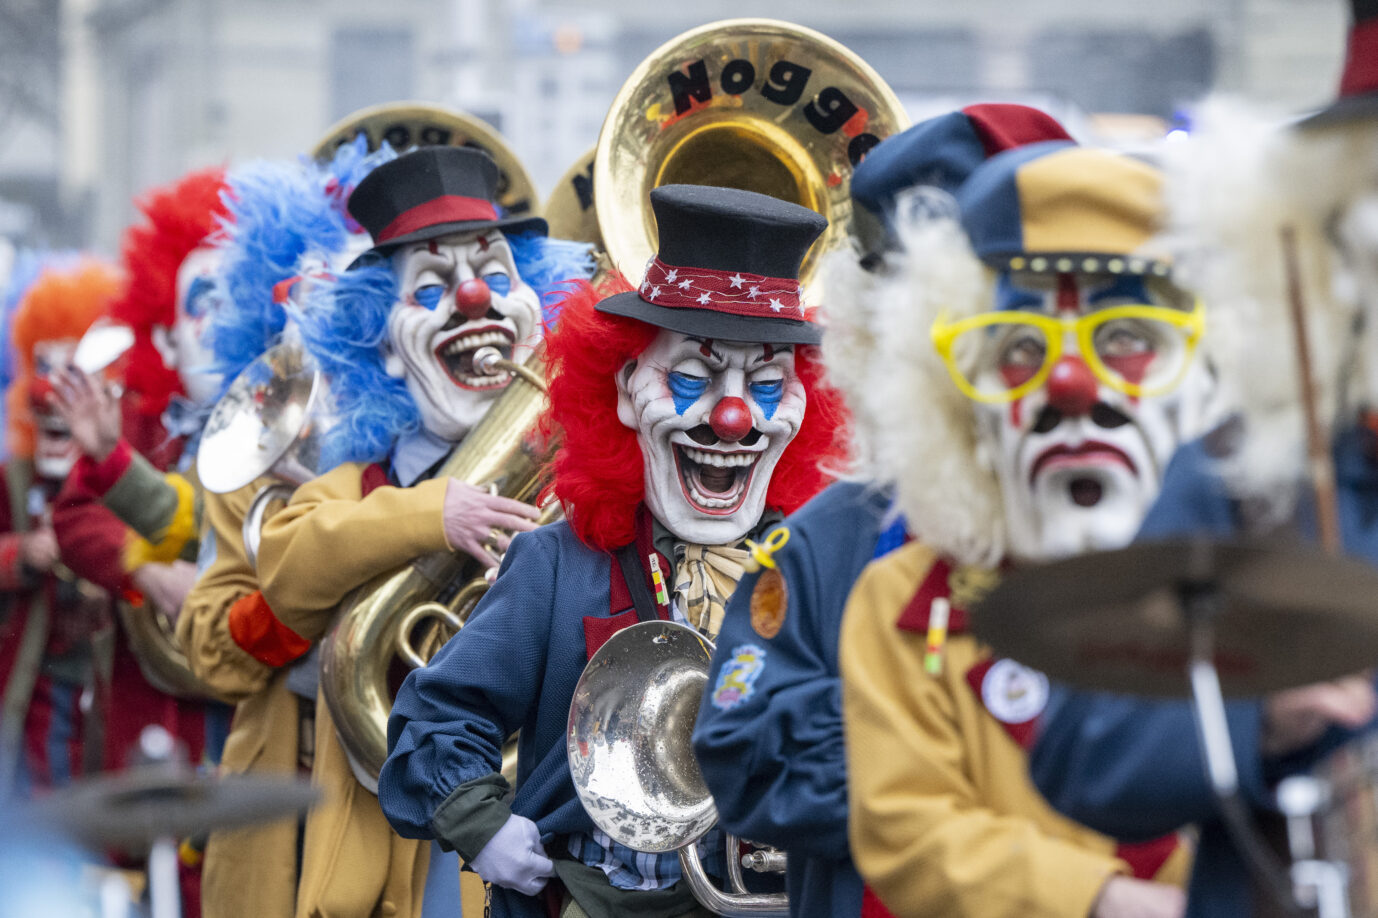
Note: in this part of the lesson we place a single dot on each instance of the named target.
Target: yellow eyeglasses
(1137, 349)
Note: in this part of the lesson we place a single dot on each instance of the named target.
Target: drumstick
(1320, 464)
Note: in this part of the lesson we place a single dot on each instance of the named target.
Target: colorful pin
(938, 614)
(658, 580)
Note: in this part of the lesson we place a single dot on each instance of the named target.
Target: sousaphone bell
(407, 124)
(631, 759)
(755, 104)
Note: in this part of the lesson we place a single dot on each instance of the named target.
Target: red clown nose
(731, 419)
(1072, 387)
(473, 298)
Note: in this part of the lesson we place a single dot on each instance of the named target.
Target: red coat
(54, 723)
(92, 542)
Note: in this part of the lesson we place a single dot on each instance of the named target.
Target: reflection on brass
(507, 452)
(569, 209)
(755, 104)
(160, 657)
(407, 124)
(632, 763)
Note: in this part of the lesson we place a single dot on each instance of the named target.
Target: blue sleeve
(1193, 498)
(775, 762)
(451, 717)
(1133, 768)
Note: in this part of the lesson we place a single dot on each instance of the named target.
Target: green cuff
(143, 500)
(472, 815)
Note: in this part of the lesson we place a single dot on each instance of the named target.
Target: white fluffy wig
(1231, 189)
(912, 428)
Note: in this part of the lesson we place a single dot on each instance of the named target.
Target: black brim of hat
(708, 324)
(1351, 108)
(514, 224)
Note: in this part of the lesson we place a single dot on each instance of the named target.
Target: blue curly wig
(344, 324)
(279, 212)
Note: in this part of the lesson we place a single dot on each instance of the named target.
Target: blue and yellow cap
(1060, 208)
(941, 153)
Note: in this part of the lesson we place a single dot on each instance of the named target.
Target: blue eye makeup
(686, 390)
(499, 283)
(429, 295)
(198, 291)
(768, 395)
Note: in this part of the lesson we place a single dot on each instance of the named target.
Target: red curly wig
(178, 218)
(60, 304)
(599, 475)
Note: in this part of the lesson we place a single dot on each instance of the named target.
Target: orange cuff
(258, 632)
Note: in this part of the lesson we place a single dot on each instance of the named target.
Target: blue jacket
(1133, 767)
(775, 760)
(514, 666)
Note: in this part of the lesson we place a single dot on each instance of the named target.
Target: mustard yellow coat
(326, 541)
(944, 819)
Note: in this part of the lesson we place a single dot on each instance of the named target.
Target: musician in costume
(1136, 766)
(1044, 358)
(396, 335)
(774, 756)
(692, 416)
(285, 220)
(168, 260)
(55, 625)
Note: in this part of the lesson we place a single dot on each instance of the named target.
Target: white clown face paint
(1079, 463)
(712, 418)
(458, 294)
(183, 346)
(55, 452)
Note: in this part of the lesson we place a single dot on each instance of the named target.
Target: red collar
(619, 596)
(935, 586)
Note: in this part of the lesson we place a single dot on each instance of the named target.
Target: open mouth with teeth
(715, 483)
(456, 355)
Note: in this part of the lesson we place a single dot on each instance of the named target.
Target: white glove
(514, 858)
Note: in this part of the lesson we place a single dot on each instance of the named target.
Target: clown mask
(183, 346)
(1086, 386)
(55, 452)
(457, 294)
(712, 419)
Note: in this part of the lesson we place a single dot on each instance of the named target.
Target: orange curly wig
(599, 475)
(60, 304)
(178, 218)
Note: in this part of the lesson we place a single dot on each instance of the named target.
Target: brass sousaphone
(756, 104)
(506, 452)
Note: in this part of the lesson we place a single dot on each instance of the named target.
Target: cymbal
(1288, 615)
(134, 808)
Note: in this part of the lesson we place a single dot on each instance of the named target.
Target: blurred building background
(99, 99)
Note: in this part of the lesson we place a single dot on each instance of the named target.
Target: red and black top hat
(432, 192)
(1359, 81)
(728, 267)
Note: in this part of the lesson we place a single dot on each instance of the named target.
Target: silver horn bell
(271, 421)
(631, 721)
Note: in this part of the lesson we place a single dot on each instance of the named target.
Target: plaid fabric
(705, 576)
(628, 869)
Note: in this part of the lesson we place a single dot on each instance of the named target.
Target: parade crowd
(580, 577)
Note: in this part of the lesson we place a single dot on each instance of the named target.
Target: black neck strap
(630, 563)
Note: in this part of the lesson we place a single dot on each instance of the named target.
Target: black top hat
(1358, 96)
(432, 192)
(728, 267)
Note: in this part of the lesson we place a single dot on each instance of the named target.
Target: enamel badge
(769, 599)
